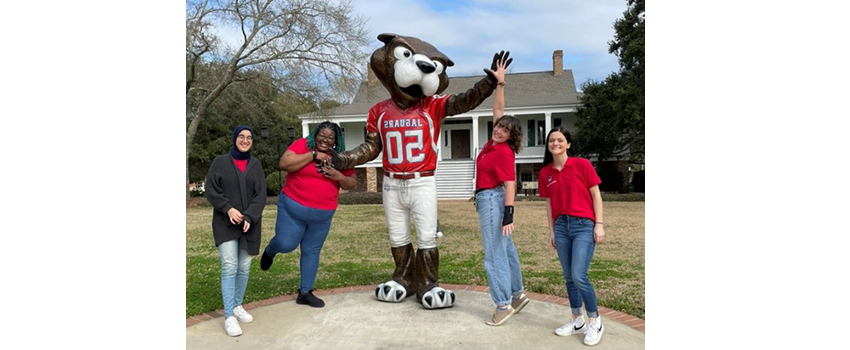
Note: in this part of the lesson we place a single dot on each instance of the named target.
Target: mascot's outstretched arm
(367, 151)
(467, 101)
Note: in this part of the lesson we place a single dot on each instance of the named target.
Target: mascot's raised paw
(391, 292)
(438, 298)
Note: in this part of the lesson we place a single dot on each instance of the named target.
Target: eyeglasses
(243, 137)
(320, 137)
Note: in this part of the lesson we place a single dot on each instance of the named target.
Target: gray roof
(521, 90)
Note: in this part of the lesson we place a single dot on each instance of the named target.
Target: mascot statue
(407, 128)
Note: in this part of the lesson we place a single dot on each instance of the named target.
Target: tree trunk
(193, 126)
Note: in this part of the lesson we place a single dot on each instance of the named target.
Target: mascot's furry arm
(361, 154)
(467, 101)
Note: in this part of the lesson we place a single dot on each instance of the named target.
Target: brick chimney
(373, 79)
(558, 62)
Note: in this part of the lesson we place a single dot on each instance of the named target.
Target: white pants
(413, 196)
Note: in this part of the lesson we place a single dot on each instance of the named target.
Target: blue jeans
(575, 246)
(501, 261)
(235, 266)
(300, 225)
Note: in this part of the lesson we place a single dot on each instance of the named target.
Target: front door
(460, 144)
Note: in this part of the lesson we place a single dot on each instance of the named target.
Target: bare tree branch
(310, 46)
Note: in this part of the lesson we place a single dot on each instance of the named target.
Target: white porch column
(475, 136)
(548, 126)
(305, 128)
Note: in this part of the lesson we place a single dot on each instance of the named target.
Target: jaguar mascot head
(409, 68)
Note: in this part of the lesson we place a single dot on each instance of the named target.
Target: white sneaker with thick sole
(231, 326)
(575, 326)
(242, 315)
(594, 332)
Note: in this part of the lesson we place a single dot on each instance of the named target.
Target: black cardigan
(228, 187)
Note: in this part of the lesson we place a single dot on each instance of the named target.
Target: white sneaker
(231, 326)
(575, 326)
(242, 315)
(594, 332)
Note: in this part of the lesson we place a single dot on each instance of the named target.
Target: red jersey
(494, 165)
(409, 137)
(310, 188)
(568, 190)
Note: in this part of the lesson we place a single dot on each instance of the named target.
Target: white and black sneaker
(575, 326)
(594, 332)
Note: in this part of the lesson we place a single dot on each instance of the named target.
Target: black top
(228, 187)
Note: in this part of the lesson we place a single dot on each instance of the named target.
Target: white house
(541, 100)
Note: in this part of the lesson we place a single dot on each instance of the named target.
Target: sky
(471, 31)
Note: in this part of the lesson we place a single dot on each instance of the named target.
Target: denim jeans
(501, 261)
(235, 266)
(300, 225)
(575, 246)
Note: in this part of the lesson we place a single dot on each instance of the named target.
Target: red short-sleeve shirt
(494, 165)
(568, 190)
(309, 187)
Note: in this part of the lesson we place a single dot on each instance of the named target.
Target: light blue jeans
(235, 266)
(301, 225)
(575, 246)
(501, 261)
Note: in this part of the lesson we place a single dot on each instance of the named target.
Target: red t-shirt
(568, 190)
(494, 165)
(409, 137)
(309, 187)
(241, 164)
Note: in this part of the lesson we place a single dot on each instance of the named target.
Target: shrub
(361, 198)
(638, 181)
(612, 179)
(623, 197)
(196, 193)
(272, 188)
(606, 197)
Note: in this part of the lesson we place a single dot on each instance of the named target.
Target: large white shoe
(390, 291)
(231, 326)
(575, 326)
(242, 315)
(594, 332)
(438, 298)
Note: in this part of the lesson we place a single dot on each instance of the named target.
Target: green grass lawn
(357, 253)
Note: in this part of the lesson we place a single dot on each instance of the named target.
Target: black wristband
(314, 155)
(509, 215)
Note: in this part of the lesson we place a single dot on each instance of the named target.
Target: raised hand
(500, 62)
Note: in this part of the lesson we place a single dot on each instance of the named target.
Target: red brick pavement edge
(618, 316)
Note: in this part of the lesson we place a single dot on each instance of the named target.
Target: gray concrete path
(356, 320)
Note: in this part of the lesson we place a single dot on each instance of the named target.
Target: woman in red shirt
(574, 207)
(495, 188)
(307, 203)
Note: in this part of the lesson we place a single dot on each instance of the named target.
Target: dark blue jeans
(575, 246)
(300, 225)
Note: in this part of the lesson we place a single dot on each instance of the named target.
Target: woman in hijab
(236, 188)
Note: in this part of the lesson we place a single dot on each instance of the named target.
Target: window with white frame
(536, 132)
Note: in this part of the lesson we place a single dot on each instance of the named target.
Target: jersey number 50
(395, 154)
